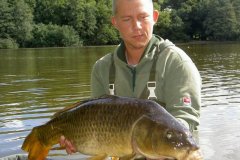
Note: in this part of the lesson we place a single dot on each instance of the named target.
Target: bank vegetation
(64, 23)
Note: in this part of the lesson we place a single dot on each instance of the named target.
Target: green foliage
(6, 19)
(79, 14)
(54, 36)
(196, 29)
(236, 6)
(87, 22)
(31, 4)
(104, 33)
(202, 20)
(16, 20)
(8, 43)
(170, 26)
(221, 22)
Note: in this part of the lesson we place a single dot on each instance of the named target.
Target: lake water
(35, 83)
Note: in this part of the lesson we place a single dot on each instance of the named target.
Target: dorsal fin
(66, 109)
(79, 103)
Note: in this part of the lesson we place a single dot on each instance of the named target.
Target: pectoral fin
(98, 157)
(115, 158)
(128, 157)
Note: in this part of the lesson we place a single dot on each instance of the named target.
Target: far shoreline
(192, 42)
(181, 43)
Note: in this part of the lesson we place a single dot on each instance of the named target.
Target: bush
(54, 36)
(8, 43)
(105, 36)
(16, 21)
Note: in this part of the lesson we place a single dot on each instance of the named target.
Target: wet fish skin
(114, 126)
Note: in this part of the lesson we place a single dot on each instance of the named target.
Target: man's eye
(126, 19)
(144, 16)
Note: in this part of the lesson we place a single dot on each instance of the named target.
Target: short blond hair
(114, 6)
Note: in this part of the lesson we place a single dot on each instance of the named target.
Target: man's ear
(114, 22)
(155, 16)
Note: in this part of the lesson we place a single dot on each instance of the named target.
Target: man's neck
(133, 56)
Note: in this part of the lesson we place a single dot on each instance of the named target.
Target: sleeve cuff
(185, 123)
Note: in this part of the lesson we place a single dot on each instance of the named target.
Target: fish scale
(104, 129)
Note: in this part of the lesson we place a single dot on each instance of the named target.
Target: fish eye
(169, 135)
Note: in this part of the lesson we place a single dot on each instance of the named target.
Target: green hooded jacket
(178, 82)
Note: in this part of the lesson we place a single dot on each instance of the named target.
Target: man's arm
(182, 89)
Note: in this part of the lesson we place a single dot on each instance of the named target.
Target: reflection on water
(35, 83)
(219, 66)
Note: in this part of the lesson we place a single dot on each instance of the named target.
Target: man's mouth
(139, 36)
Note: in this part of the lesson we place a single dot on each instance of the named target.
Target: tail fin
(37, 150)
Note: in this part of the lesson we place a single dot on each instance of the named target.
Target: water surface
(35, 83)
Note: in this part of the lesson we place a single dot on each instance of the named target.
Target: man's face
(134, 20)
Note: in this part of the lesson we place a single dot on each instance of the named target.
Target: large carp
(113, 126)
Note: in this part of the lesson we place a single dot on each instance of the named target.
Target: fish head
(159, 139)
(173, 142)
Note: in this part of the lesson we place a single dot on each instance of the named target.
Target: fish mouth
(171, 159)
(192, 144)
(165, 158)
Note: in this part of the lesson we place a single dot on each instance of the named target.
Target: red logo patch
(186, 100)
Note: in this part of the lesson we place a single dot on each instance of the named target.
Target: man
(146, 66)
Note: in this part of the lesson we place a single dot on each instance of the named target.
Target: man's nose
(137, 24)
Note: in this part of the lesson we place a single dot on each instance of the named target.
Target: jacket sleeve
(182, 89)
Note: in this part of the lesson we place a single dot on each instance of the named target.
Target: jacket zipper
(133, 71)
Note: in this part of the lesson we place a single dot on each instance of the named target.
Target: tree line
(63, 23)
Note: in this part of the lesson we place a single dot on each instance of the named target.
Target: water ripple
(37, 83)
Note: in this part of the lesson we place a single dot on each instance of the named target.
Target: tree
(236, 6)
(6, 19)
(197, 17)
(16, 20)
(89, 22)
(8, 43)
(80, 14)
(221, 21)
(178, 18)
(170, 26)
(31, 4)
(50, 35)
(104, 33)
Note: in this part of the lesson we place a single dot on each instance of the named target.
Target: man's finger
(62, 141)
(69, 147)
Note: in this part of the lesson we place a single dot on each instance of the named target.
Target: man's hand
(70, 148)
